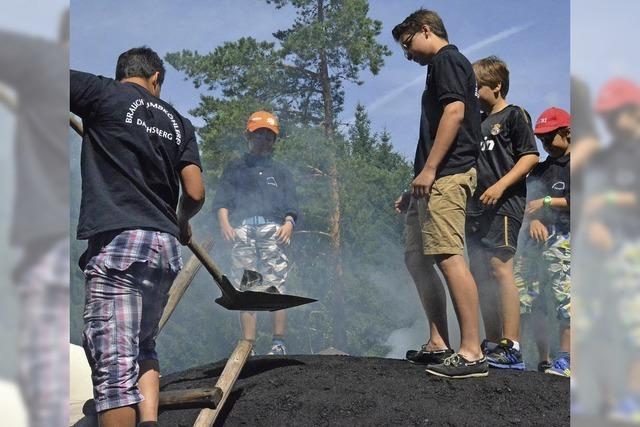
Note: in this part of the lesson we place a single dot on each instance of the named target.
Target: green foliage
(240, 77)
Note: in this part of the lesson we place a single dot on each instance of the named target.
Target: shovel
(233, 299)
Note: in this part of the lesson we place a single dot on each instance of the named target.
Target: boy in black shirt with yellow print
(494, 215)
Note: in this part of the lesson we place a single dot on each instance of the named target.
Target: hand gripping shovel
(233, 299)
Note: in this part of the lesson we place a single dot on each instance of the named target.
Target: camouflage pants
(256, 248)
(542, 268)
(623, 270)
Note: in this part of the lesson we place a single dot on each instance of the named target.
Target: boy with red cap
(257, 209)
(548, 254)
(611, 212)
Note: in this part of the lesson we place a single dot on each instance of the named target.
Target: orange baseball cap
(263, 119)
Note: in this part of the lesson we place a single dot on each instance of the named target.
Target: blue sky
(532, 37)
(604, 36)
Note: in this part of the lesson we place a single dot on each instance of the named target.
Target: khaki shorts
(438, 227)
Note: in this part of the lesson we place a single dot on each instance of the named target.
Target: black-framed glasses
(406, 45)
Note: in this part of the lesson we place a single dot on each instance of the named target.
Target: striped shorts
(127, 280)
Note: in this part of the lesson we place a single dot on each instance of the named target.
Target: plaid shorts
(43, 290)
(127, 285)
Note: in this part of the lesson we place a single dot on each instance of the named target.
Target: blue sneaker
(504, 356)
(561, 366)
(628, 410)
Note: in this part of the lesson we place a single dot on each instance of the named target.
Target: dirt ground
(348, 391)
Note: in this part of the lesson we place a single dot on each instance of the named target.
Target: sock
(148, 424)
(516, 345)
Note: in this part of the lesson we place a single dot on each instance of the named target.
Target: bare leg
(565, 337)
(432, 296)
(279, 322)
(149, 385)
(464, 294)
(540, 333)
(118, 417)
(487, 292)
(249, 321)
(502, 266)
(634, 377)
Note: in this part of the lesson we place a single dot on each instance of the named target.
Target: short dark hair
(140, 62)
(490, 71)
(414, 22)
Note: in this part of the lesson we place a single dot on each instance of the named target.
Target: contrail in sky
(377, 103)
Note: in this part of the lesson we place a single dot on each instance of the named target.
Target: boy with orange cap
(257, 209)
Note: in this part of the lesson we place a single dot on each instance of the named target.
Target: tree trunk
(338, 288)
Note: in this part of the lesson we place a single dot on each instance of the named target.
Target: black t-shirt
(37, 70)
(552, 178)
(582, 126)
(133, 149)
(256, 186)
(450, 78)
(615, 170)
(506, 136)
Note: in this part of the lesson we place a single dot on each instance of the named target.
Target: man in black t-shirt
(36, 71)
(257, 209)
(445, 177)
(136, 151)
(508, 152)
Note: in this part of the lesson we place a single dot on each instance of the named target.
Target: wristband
(610, 198)
(291, 220)
(546, 201)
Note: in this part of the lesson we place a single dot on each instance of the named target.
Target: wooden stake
(206, 397)
(227, 379)
(181, 283)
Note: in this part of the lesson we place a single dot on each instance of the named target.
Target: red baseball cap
(615, 94)
(552, 119)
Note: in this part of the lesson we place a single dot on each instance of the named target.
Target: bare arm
(191, 200)
(522, 167)
(8, 97)
(448, 127)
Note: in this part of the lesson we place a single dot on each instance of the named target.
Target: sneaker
(628, 410)
(544, 365)
(456, 366)
(278, 350)
(561, 367)
(486, 346)
(428, 357)
(504, 356)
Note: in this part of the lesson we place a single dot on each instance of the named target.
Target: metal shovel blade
(233, 299)
(258, 301)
